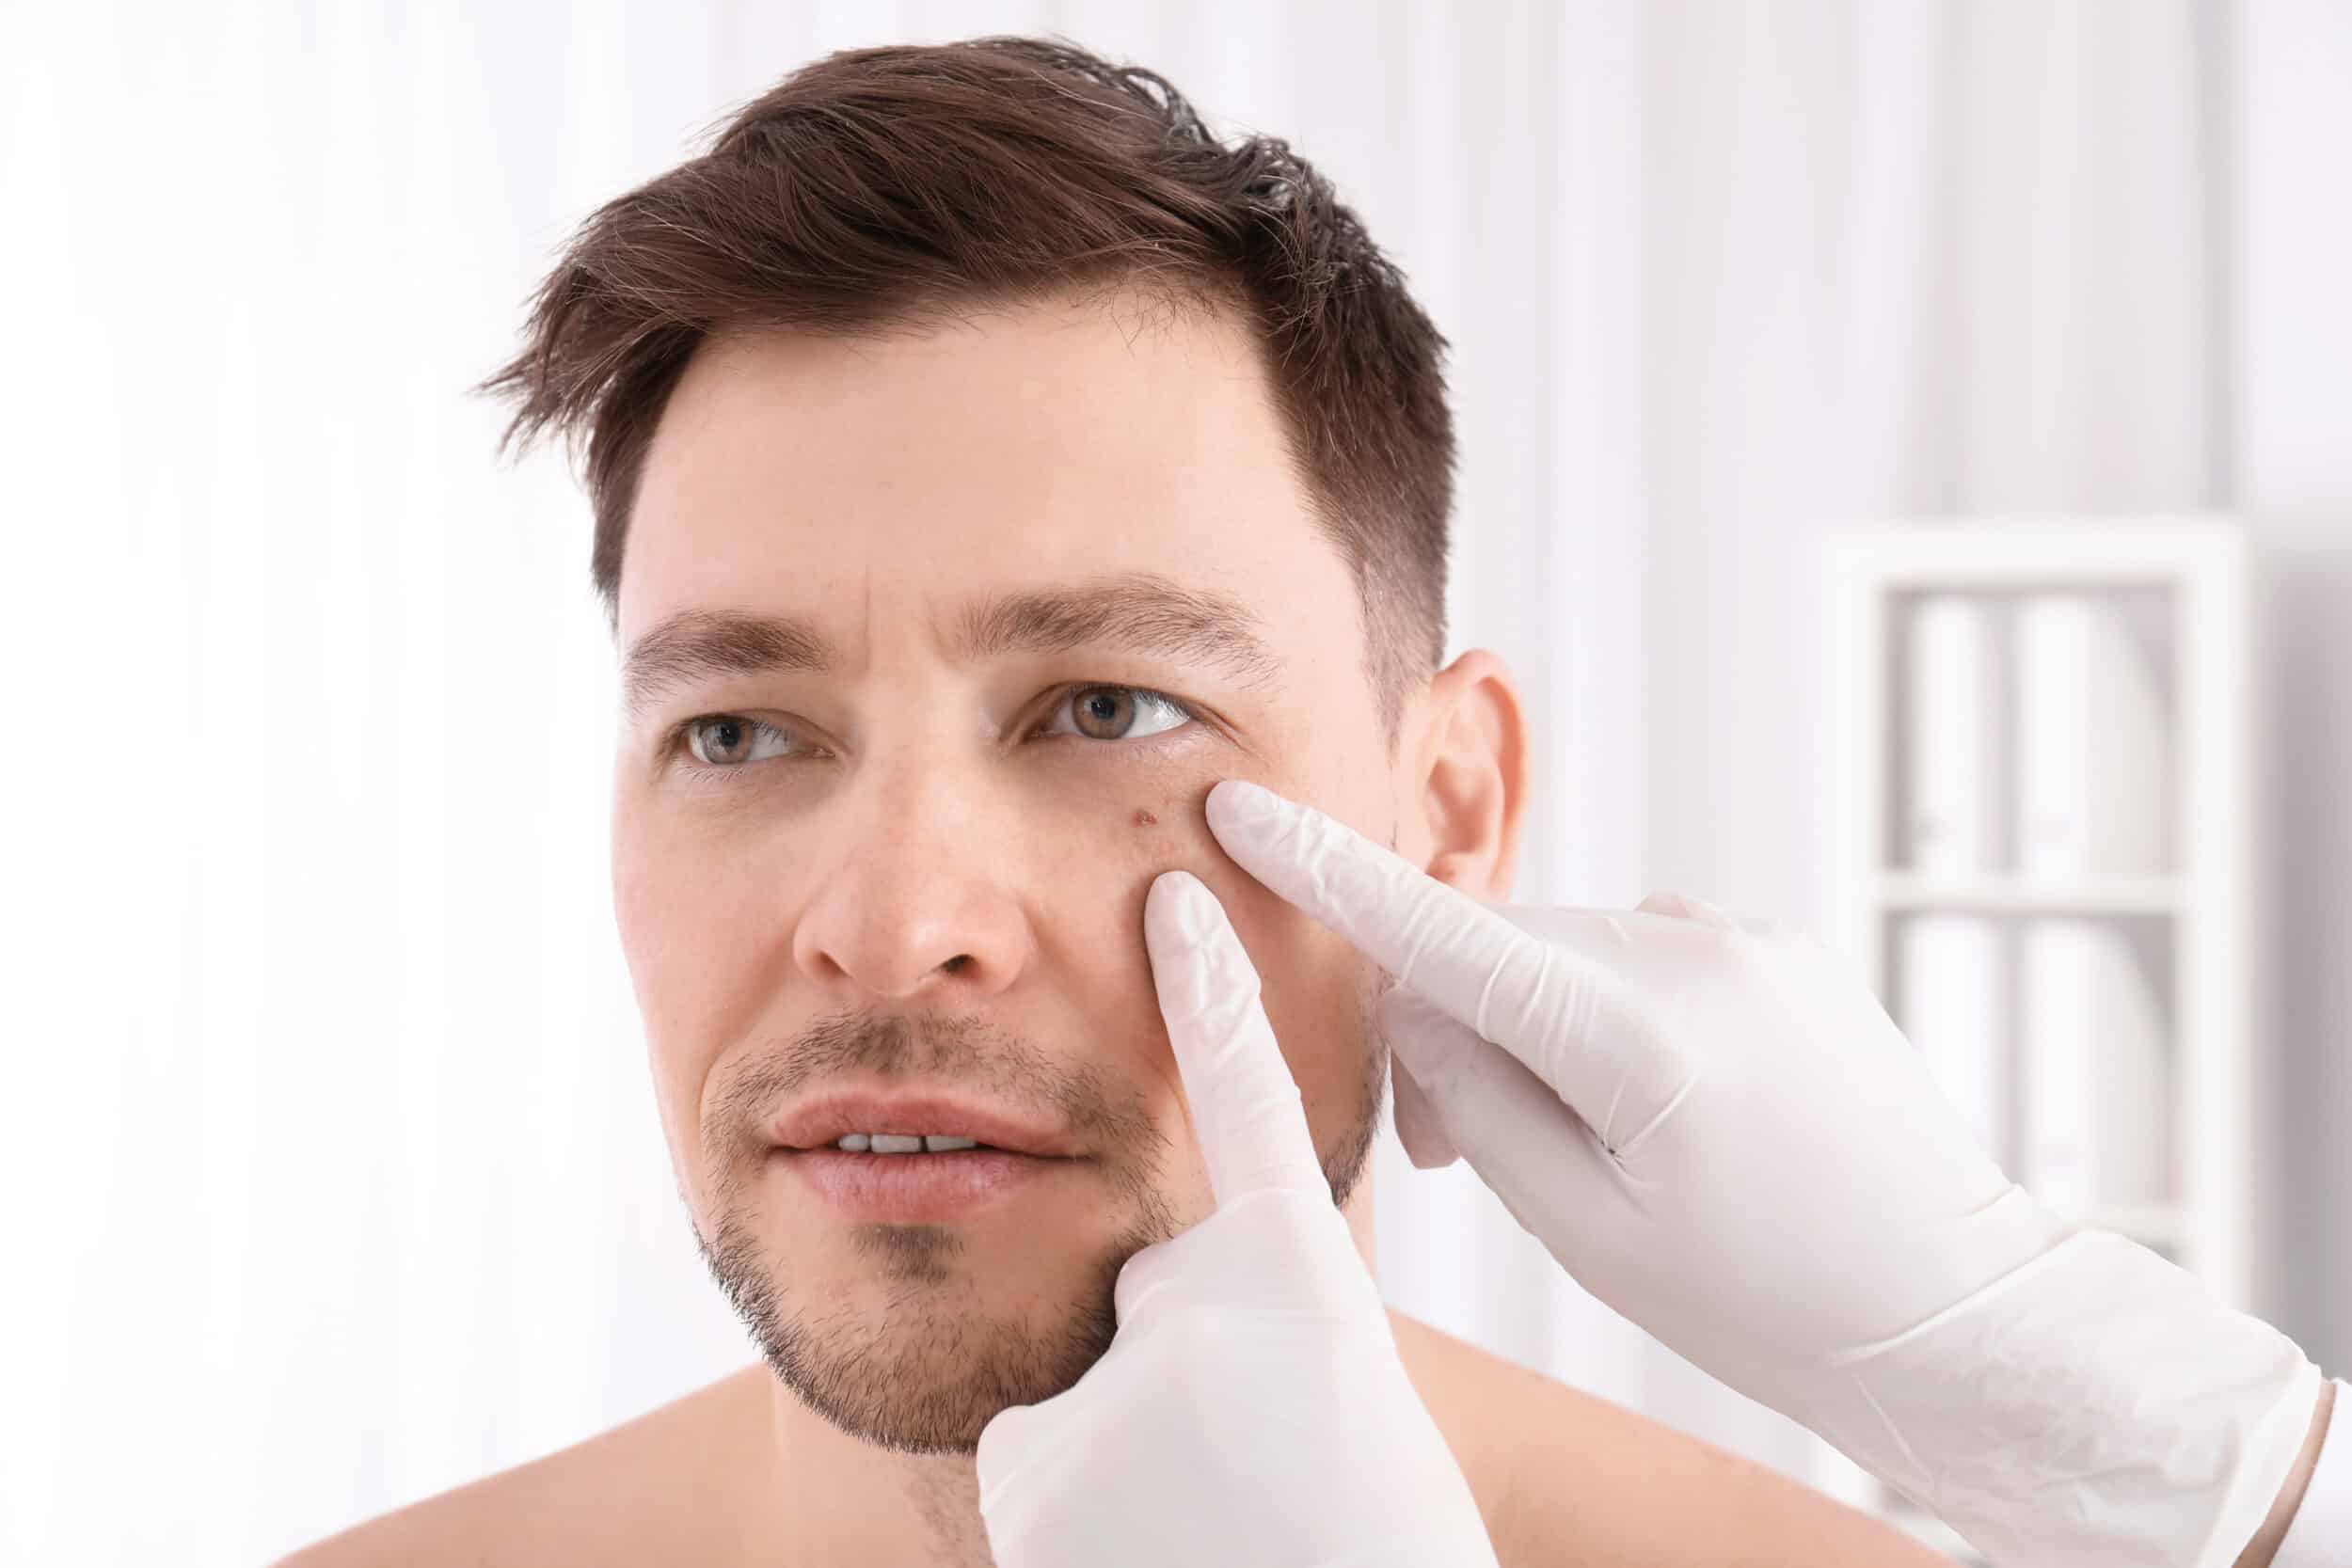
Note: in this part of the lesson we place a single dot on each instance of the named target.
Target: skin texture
(932, 855)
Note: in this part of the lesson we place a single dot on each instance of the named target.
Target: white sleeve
(2321, 1535)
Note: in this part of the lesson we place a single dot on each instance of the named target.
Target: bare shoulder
(1563, 1477)
(642, 1492)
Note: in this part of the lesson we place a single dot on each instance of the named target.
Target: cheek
(687, 944)
(1309, 980)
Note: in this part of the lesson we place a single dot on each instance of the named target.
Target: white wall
(2291, 375)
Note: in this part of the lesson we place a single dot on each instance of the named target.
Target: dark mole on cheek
(1145, 819)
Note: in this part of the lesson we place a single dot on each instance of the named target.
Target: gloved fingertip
(1180, 911)
(1239, 806)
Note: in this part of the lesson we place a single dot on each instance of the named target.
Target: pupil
(1107, 707)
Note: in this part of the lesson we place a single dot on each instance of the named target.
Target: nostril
(952, 965)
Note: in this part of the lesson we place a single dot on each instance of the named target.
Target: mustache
(967, 1051)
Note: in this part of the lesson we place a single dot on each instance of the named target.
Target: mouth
(910, 1143)
(916, 1158)
(915, 1125)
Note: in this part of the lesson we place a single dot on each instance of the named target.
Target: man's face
(910, 859)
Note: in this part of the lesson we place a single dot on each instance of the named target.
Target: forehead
(937, 464)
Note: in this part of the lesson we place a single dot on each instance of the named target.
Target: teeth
(901, 1143)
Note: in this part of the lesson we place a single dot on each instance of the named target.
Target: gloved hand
(1723, 1136)
(1251, 1410)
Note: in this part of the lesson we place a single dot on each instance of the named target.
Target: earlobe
(1473, 785)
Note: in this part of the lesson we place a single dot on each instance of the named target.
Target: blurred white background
(332, 1179)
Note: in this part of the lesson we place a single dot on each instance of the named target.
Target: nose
(915, 904)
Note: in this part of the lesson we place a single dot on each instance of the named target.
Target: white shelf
(2006, 894)
(2016, 553)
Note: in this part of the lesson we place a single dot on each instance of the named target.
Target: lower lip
(914, 1189)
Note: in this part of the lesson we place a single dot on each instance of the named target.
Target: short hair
(878, 187)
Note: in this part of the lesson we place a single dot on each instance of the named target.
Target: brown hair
(881, 186)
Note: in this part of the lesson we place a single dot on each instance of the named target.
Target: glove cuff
(2096, 1407)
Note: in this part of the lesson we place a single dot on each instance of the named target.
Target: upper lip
(823, 1120)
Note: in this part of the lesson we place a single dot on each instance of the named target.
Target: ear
(1466, 790)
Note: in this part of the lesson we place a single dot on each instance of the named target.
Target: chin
(919, 1350)
(912, 1336)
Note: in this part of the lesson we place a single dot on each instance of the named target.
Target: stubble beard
(926, 1373)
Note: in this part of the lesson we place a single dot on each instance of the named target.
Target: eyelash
(679, 749)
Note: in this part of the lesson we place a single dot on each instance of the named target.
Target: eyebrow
(1132, 612)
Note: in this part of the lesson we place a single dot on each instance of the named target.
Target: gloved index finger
(1486, 972)
(1246, 1105)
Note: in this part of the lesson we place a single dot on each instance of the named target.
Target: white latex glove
(1251, 1410)
(1719, 1133)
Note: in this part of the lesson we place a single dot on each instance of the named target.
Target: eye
(722, 742)
(1119, 713)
